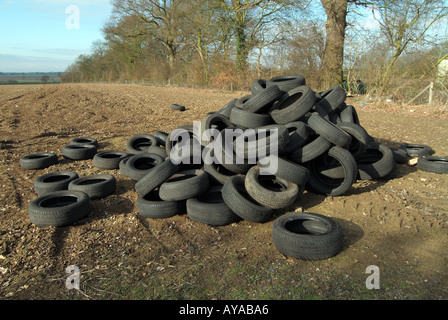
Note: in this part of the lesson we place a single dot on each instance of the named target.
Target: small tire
(285, 169)
(78, 152)
(376, 163)
(54, 181)
(140, 143)
(417, 150)
(85, 140)
(210, 208)
(262, 101)
(95, 186)
(286, 83)
(156, 177)
(152, 206)
(270, 191)
(241, 203)
(334, 187)
(329, 131)
(37, 161)
(245, 119)
(60, 208)
(433, 164)
(184, 185)
(141, 164)
(307, 236)
(293, 105)
(109, 160)
(332, 98)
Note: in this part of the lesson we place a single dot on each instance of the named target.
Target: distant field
(29, 78)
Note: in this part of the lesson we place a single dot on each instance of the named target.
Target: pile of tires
(286, 138)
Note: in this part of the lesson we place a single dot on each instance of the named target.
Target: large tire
(257, 86)
(109, 160)
(216, 122)
(299, 134)
(307, 236)
(225, 111)
(270, 191)
(293, 105)
(37, 161)
(152, 206)
(241, 203)
(95, 186)
(360, 138)
(54, 181)
(334, 187)
(156, 177)
(79, 151)
(60, 208)
(184, 185)
(210, 208)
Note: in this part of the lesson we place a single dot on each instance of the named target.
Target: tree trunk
(335, 25)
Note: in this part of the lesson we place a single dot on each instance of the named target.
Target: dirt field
(398, 225)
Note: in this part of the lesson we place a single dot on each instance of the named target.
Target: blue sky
(41, 35)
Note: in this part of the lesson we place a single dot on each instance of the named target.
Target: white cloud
(373, 15)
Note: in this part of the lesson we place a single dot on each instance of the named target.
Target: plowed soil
(398, 224)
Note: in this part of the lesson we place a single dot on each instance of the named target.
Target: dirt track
(399, 225)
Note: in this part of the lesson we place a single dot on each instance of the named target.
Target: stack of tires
(318, 145)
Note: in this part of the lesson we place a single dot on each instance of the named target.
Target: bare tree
(406, 22)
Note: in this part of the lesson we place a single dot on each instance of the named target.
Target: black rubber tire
(156, 177)
(178, 107)
(314, 148)
(286, 83)
(285, 169)
(161, 137)
(54, 181)
(257, 86)
(225, 111)
(140, 143)
(85, 140)
(245, 119)
(293, 105)
(307, 236)
(400, 155)
(417, 150)
(60, 208)
(141, 164)
(37, 161)
(79, 151)
(122, 165)
(184, 185)
(332, 98)
(227, 156)
(210, 208)
(109, 160)
(270, 191)
(433, 164)
(376, 163)
(241, 203)
(262, 145)
(152, 206)
(329, 131)
(217, 172)
(216, 122)
(96, 186)
(161, 151)
(178, 135)
(359, 137)
(348, 114)
(334, 187)
(299, 134)
(262, 101)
